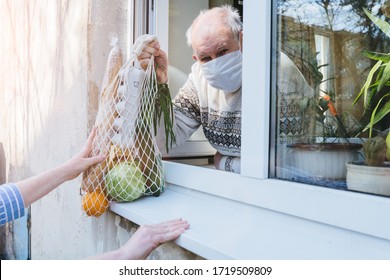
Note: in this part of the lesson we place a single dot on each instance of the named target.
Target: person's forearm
(38, 186)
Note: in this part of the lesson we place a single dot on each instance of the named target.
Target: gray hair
(231, 18)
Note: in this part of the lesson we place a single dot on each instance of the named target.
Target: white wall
(53, 56)
(44, 94)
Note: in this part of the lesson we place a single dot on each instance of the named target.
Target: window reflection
(320, 70)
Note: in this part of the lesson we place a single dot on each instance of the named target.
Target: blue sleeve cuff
(11, 203)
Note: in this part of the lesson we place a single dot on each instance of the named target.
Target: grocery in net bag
(129, 110)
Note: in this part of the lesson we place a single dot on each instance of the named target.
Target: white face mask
(224, 72)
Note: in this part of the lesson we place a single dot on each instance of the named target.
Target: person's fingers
(167, 222)
(146, 55)
(178, 226)
(166, 227)
(149, 237)
(170, 234)
(88, 144)
(96, 159)
(144, 63)
(175, 233)
(148, 51)
(167, 231)
(217, 159)
(156, 45)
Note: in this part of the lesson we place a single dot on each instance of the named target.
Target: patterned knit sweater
(219, 113)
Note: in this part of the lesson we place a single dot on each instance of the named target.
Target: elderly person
(211, 97)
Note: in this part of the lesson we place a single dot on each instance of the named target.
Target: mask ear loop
(240, 40)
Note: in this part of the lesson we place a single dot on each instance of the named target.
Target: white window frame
(326, 223)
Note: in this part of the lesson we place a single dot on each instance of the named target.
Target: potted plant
(322, 161)
(373, 174)
(305, 129)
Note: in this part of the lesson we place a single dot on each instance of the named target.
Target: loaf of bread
(93, 177)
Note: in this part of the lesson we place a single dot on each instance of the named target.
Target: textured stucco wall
(53, 55)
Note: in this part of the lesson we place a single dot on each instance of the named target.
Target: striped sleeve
(11, 203)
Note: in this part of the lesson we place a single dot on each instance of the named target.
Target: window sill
(222, 228)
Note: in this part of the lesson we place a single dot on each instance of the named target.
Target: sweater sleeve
(11, 203)
(187, 112)
(230, 163)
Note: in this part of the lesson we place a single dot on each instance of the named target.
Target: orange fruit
(95, 203)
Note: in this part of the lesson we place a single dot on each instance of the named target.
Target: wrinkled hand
(217, 159)
(160, 60)
(83, 160)
(149, 237)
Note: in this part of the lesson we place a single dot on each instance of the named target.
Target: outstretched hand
(83, 160)
(41, 184)
(146, 239)
(149, 237)
(160, 59)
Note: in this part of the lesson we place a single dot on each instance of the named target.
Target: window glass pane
(196, 150)
(321, 68)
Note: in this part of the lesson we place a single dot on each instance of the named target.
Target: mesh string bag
(129, 109)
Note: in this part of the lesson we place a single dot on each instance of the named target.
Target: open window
(179, 16)
(268, 206)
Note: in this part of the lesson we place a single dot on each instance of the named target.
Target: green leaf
(383, 25)
(385, 57)
(165, 109)
(385, 77)
(366, 86)
(383, 111)
(376, 117)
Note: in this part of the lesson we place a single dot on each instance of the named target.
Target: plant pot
(368, 179)
(324, 160)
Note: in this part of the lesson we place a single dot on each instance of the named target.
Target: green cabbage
(125, 182)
